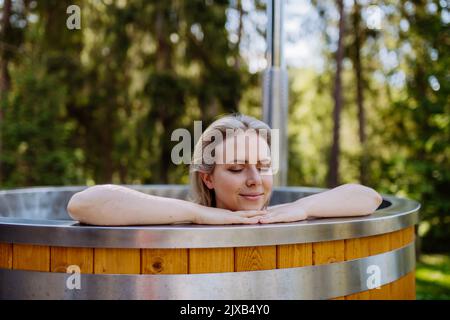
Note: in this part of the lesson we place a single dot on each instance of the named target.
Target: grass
(433, 277)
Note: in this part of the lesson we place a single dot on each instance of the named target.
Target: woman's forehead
(243, 148)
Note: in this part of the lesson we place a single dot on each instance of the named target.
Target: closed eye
(265, 168)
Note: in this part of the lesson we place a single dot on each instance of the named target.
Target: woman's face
(242, 180)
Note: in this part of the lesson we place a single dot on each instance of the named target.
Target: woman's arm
(343, 201)
(115, 205)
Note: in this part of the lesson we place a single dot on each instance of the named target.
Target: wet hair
(199, 192)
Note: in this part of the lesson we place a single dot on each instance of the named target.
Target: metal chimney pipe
(275, 85)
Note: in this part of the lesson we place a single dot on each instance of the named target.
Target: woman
(228, 186)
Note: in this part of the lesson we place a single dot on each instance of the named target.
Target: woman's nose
(254, 177)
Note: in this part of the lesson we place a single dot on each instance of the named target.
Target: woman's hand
(209, 215)
(349, 200)
(284, 213)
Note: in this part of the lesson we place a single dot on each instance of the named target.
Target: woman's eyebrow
(261, 161)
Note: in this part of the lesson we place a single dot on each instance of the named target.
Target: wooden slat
(327, 252)
(117, 261)
(31, 257)
(402, 288)
(6, 255)
(409, 235)
(377, 245)
(209, 260)
(164, 261)
(396, 239)
(294, 255)
(397, 287)
(62, 257)
(410, 286)
(255, 258)
(356, 249)
(410, 279)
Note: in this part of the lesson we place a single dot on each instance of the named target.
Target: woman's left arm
(344, 201)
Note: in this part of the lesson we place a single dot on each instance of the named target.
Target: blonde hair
(199, 192)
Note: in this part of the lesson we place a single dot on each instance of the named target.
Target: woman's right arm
(115, 205)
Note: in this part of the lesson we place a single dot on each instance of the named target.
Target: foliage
(433, 277)
(36, 145)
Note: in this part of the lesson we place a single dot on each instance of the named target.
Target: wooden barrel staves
(48, 256)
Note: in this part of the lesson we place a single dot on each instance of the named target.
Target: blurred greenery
(99, 104)
(433, 277)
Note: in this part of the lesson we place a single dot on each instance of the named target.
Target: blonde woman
(228, 186)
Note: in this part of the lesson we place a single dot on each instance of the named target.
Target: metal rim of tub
(401, 213)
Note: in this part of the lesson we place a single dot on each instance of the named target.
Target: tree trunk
(360, 92)
(333, 178)
(5, 81)
(6, 28)
(237, 62)
(163, 64)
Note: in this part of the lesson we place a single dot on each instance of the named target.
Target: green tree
(420, 119)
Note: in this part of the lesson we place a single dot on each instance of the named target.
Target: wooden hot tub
(340, 258)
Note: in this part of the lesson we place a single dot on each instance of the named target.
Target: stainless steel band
(401, 213)
(196, 236)
(311, 282)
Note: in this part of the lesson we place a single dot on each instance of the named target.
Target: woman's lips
(252, 197)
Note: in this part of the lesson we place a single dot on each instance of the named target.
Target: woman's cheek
(268, 183)
(230, 185)
(234, 181)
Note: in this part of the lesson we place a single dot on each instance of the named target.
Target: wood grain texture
(6, 255)
(63, 257)
(255, 258)
(356, 249)
(294, 255)
(164, 261)
(397, 287)
(327, 252)
(117, 261)
(377, 245)
(209, 260)
(31, 257)
(409, 236)
(403, 288)
(410, 286)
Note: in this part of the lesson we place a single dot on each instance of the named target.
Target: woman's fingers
(286, 217)
(236, 219)
(240, 217)
(251, 213)
(269, 219)
(256, 216)
(284, 214)
(270, 216)
(222, 216)
(252, 220)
